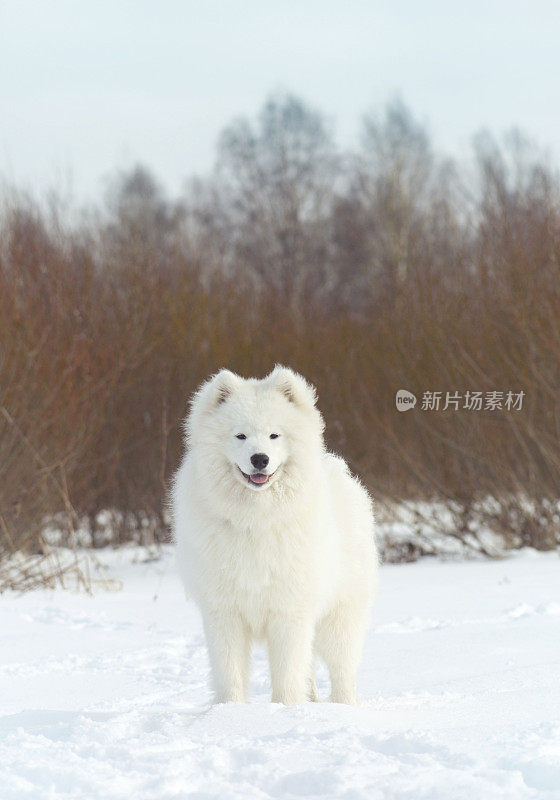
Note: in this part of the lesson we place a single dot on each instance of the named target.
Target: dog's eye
(240, 436)
(274, 435)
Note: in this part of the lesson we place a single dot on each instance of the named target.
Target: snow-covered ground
(107, 696)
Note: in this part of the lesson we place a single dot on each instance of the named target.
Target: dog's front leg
(290, 655)
(229, 647)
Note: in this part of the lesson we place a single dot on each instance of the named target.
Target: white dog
(275, 538)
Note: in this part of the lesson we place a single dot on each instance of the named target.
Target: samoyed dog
(275, 538)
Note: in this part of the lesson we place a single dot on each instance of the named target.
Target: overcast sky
(88, 88)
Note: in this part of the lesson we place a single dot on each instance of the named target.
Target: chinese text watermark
(455, 401)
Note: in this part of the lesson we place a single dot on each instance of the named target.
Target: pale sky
(89, 88)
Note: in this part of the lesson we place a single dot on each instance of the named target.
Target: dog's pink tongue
(259, 478)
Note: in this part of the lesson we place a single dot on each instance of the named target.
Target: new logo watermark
(405, 400)
(468, 401)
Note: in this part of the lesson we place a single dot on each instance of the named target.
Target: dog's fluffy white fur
(285, 554)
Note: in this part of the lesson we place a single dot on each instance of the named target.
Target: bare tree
(398, 200)
(277, 181)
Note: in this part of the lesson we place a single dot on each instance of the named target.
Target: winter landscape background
(370, 272)
(403, 261)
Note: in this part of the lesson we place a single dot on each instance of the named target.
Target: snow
(107, 696)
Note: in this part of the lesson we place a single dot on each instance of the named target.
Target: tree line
(390, 267)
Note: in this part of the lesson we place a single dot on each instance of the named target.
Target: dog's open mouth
(256, 478)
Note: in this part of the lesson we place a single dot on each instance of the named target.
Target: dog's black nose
(259, 460)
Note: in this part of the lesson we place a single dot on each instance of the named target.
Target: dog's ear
(213, 392)
(217, 390)
(293, 386)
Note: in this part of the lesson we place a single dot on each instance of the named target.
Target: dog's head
(257, 430)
